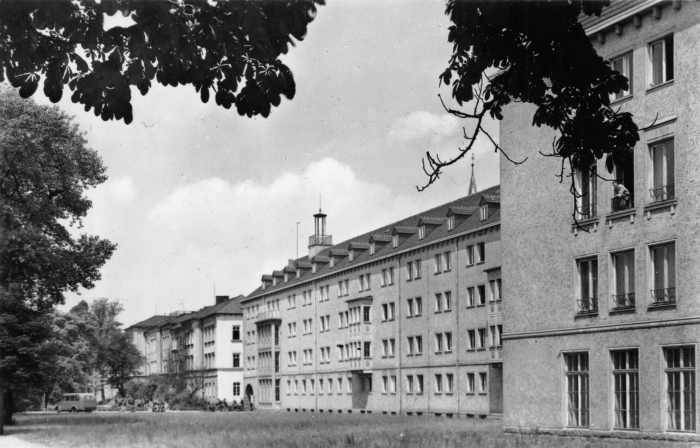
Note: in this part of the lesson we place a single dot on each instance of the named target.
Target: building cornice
(607, 23)
(602, 328)
(378, 259)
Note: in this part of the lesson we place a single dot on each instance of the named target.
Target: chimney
(221, 299)
(319, 240)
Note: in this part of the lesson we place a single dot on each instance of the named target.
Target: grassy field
(261, 429)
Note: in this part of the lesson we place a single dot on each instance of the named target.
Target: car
(77, 403)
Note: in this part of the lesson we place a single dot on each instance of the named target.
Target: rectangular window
(470, 296)
(483, 383)
(448, 342)
(623, 281)
(236, 333)
(447, 306)
(417, 269)
(588, 285)
(663, 262)
(419, 306)
(661, 61)
(447, 261)
(577, 389)
(236, 389)
(385, 384)
(470, 383)
(480, 252)
(421, 232)
(366, 314)
(392, 311)
(409, 307)
(409, 270)
(451, 222)
(392, 384)
(409, 346)
(482, 338)
(385, 312)
(438, 343)
(623, 65)
(385, 347)
(368, 282)
(470, 255)
(680, 386)
(383, 278)
(367, 351)
(409, 384)
(438, 302)
(471, 339)
(587, 192)
(236, 360)
(481, 289)
(450, 383)
(419, 384)
(438, 383)
(625, 364)
(419, 345)
(663, 171)
(392, 347)
(438, 263)
(484, 212)
(391, 276)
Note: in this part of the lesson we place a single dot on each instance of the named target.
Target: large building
(603, 316)
(207, 344)
(403, 319)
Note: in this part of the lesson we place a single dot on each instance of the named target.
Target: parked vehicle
(77, 403)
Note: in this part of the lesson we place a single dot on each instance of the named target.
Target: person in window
(621, 192)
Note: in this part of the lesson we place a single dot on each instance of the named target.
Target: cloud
(421, 124)
(122, 189)
(214, 231)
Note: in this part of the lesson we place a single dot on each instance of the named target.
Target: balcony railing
(588, 306)
(623, 301)
(588, 211)
(665, 296)
(663, 193)
(621, 203)
(323, 240)
(267, 315)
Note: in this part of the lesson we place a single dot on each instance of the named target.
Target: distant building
(603, 320)
(206, 343)
(403, 319)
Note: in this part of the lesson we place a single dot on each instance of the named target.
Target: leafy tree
(123, 361)
(103, 315)
(547, 60)
(45, 168)
(230, 48)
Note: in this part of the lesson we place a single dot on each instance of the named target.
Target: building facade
(603, 320)
(404, 319)
(207, 344)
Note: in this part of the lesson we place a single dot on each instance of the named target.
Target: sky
(201, 201)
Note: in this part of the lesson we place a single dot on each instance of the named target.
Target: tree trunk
(8, 406)
(102, 391)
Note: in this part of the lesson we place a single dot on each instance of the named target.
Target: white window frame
(664, 62)
(627, 70)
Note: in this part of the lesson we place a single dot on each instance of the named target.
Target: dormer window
(332, 262)
(263, 286)
(274, 281)
(484, 212)
(286, 277)
(351, 255)
(451, 222)
(372, 248)
(314, 268)
(421, 232)
(298, 273)
(395, 240)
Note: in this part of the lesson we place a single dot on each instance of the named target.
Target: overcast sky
(200, 198)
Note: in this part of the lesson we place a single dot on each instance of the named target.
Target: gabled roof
(338, 252)
(290, 269)
(465, 207)
(491, 199)
(277, 274)
(404, 230)
(430, 221)
(303, 265)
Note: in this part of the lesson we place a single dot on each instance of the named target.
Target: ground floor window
(277, 390)
(626, 388)
(680, 387)
(577, 389)
(236, 389)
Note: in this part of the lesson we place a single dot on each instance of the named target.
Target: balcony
(663, 193)
(322, 240)
(267, 316)
(620, 204)
(496, 353)
(663, 297)
(588, 306)
(360, 364)
(623, 301)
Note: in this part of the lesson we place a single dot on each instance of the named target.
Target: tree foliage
(229, 49)
(122, 361)
(538, 53)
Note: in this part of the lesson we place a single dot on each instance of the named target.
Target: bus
(77, 403)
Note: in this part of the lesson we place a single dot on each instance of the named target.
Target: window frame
(587, 305)
(666, 191)
(670, 295)
(650, 81)
(623, 94)
(582, 391)
(692, 370)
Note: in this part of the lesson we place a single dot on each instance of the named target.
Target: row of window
(659, 66)
(662, 281)
(678, 384)
(476, 339)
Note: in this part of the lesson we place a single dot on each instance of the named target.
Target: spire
(472, 184)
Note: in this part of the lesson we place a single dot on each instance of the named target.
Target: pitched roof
(150, 322)
(616, 8)
(465, 206)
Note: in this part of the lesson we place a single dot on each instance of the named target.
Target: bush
(182, 402)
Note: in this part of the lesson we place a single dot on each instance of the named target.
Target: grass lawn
(267, 429)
